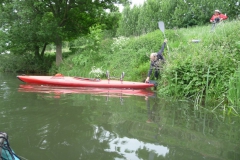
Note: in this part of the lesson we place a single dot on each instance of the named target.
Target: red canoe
(82, 82)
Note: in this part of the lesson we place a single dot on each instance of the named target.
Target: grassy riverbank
(200, 71)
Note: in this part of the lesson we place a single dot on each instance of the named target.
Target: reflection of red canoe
(83, 82)
(84, 90)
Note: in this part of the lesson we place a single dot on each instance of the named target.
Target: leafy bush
(27, 63)
(202, 68)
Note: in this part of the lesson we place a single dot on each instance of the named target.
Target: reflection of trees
(128, 148)
(199, 131)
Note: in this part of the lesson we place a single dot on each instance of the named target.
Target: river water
(54, 123)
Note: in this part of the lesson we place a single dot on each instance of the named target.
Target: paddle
(162, 28)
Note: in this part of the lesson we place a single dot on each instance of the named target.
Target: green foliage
(30, 25)
(89, 42)
(129, 55)
(132, 55)
(87, 50)
(233, 95)
(129, 21)
(202, 68)
(195, 74)
(175, 14)
(25, 63)
(139, 19)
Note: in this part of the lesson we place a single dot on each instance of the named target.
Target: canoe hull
(82, 82)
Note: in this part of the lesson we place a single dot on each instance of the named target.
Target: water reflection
(4, 87)
(154, 114)
(128, 148)
(108, 92)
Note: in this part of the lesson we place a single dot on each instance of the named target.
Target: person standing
(218, 17)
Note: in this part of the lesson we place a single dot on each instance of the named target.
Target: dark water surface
(59, 124)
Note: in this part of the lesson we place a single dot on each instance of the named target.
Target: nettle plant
(119, 43)
(96, 72)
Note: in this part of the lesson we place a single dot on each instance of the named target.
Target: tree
(31, 25)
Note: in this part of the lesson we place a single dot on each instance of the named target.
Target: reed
(233, 93)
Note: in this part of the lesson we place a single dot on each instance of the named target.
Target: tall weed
(233, 93)
(203, 67)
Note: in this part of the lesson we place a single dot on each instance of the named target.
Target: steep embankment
(192, 69)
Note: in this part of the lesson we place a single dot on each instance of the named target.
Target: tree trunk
(36, 51)
(43, 50)
(58, 50)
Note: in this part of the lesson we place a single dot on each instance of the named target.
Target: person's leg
(156, 73)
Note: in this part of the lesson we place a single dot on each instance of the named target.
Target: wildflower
(96, 72)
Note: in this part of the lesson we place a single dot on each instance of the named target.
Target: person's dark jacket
(153, 64)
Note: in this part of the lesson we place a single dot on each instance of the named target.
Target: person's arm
(149, 73)
(162, 48)
(223, 17)
(159, 54)
(212, 18)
